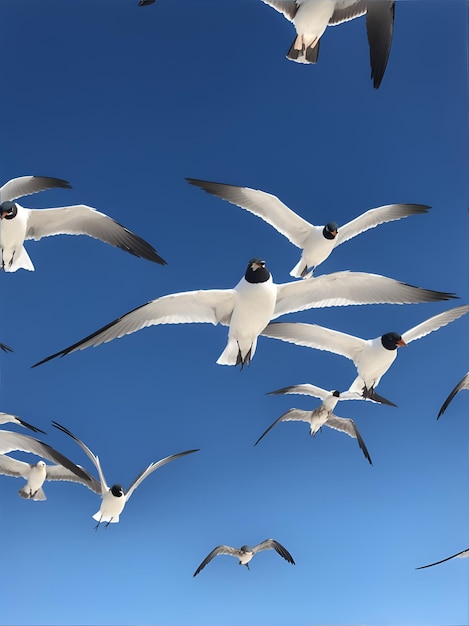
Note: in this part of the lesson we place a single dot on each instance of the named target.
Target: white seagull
(6, 418)
(312, 17)
(372, 357)
(36, 474)
(18, 224)
(115, 498)
(462, 384)
(245, 553)
(249, 307)
(459, 555)
(323, 415)
(316, 242)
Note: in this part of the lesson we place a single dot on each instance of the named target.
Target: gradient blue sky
(124, 102)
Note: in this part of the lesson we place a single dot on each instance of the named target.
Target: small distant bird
(316, 242)
(6, 418)
(312, 17)
(115, 498)
(245, 553)
(144, 3)
(372, 357)
(462, 384)
(18, 224)
(323, 415)
(36, 474)
(459, 555)
(249, 307)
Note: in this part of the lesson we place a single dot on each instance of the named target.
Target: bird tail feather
(38, 495)
(20, 261)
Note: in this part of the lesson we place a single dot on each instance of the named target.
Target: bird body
(13, 229)
(35, 479)
(372, 357)
(316, 242)
(246, 553)
(253, 309)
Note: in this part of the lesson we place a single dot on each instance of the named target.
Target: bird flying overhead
(113, 499)
(312, 17)
(249, 307)
(18, 224)
(323, 415)
(245, 553)
(372, 357)
(316, 242)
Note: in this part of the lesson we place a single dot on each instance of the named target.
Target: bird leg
(97, 525)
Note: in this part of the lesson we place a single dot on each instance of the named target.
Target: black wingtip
(35, 429)
(5, 348)
(58, 183)
(372, 395)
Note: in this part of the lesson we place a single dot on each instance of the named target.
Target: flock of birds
(248, 309)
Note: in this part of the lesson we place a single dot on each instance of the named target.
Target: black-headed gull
(249, 307)
(322, 415)
(312, 17)
(316, 242)
(462, 384)
(459, 555)
(113, 499)
(7, 418)
(18, 224)
(245, 553)
(372, 357)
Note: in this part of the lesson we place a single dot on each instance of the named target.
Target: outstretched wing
(26, 185)
(94, 459)
(374, 217)
(271, 544)
(151, 468)
(434, 323)
(212, 306)
(462, 384)
(81, 219)
(348, 288)
(292, 415)
(460, 555)
(348, 426)
(264, 205)
(305, 389)
(215, 552)
(289, 8)
(379, 27)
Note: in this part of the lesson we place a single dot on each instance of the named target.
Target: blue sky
(124, 102)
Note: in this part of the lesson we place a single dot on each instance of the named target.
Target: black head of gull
(117, 491)
(330, 230)
(8, 210)
(391, 341)
(256, 272)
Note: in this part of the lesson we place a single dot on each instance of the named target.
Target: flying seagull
(323, 415)
(36, 474)
(245, 553)
(253, 303)
(312, 17)
(115, 497)
(18, 224)
(316, 242)
(459, 555)
(462, 384)
(372, 357)
(6, 418)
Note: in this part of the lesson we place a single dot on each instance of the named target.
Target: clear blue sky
(124, 102)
